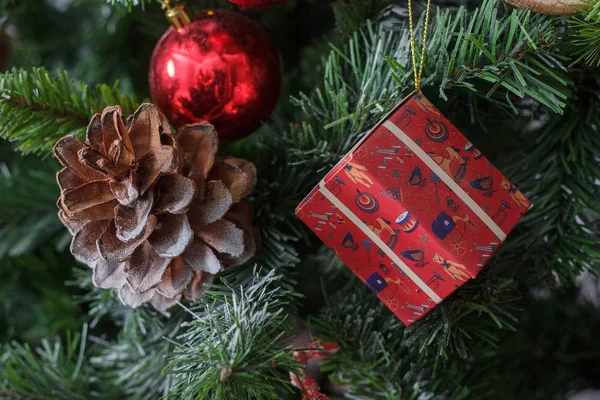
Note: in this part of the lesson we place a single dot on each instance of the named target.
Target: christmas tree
(246, 297)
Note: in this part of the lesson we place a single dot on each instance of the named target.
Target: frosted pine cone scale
(155, 215)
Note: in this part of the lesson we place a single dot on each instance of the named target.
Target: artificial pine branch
(37, 109)
(586, 34)
(350, 15)
(35, 302)
(558, 167)
(10, 5)
(359, 87)
(234, 347)
(540, 350)
(54, 370)
(135, 360)
(493, 48)
(132, 3)
(477, 316)
(370, 340)
(377, 358)
(27, 212)
(480, 312)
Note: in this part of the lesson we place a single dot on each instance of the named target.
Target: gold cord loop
(418, 74)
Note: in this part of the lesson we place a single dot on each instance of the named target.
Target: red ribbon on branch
(308, 387)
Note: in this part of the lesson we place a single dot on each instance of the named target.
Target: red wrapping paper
(414, 210)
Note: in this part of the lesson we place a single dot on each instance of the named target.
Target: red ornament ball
(222, 68)
(257, 3)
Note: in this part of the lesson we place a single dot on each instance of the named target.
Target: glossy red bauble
(223, 68)
(257, 3)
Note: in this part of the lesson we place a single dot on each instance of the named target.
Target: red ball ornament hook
(220, 67)
(177, 14)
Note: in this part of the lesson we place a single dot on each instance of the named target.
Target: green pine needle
(586, 34)
(495, 53)
(132, 3)
(234, 347)
(54, 370)
(37, 109)
(28, 213)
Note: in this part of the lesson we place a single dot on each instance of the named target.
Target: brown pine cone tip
(549, 7)
(154, 215)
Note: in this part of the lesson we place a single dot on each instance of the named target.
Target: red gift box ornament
(414, 210)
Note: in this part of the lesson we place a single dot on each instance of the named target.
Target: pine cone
(155, 215)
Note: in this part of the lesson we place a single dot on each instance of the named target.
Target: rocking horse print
(515, 194)
(445, 160)
(465, 220)
(385, 232)
(382, 226)
(399, 284)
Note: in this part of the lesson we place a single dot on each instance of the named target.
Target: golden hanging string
(419, 73)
